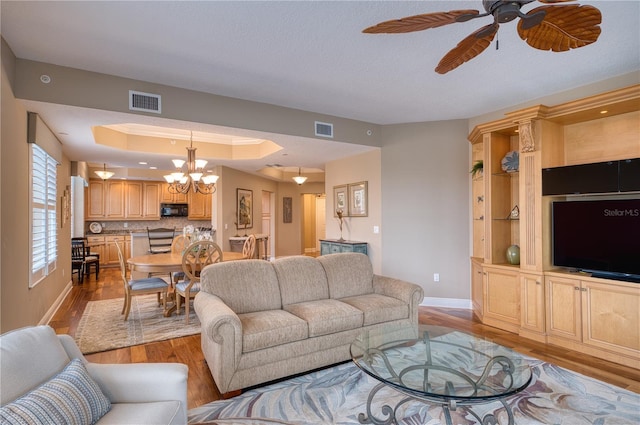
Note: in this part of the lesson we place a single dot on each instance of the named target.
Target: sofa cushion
(71, 397)
(157, 413)
(301, 279)
(245, 286)
(348, 274)
(378, 308)
(327, 316)
(265, 329)
(30, 357)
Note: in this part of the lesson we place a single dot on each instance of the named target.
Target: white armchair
(138, 393)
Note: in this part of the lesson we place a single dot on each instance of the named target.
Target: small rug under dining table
(102, 326)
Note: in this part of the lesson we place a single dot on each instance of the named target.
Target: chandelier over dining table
(195, 177)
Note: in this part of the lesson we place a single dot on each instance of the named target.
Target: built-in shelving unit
(527, 298)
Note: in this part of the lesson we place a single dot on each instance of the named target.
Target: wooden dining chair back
(160, 239)
(178, 246)
(249, 247)
(133, 287)
(82, 259)
(196, 256)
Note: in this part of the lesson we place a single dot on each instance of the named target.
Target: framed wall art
(287, 209)
(358, 200)
(340, 201)
(244, 208)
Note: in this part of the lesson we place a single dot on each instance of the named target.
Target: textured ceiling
(312, 55)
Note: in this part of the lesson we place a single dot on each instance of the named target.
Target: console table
(332, 246)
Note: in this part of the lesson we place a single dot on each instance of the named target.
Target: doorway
(313, 222)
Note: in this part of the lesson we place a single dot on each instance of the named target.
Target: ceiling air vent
(145, 102)
(324, 129)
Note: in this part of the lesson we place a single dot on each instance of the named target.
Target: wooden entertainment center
(597, 316)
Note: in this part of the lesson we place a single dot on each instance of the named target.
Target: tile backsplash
(168, 222)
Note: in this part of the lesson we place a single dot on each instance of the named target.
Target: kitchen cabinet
(172, 198)
(95, 199)
(123, 200)
(106, 248)
(151, 200)
(111, 252)
(115, 203)
(96, 244)
(199, 206)
(134, 200)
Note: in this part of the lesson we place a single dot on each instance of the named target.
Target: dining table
(167, 263)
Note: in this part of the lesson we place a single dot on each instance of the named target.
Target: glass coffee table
(437, 364)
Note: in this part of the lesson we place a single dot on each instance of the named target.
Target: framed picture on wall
(358, 200)
(244, 208)
(287, 209)
(340, 201)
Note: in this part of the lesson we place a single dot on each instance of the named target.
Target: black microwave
(174, 210)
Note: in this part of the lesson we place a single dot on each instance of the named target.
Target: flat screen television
(601, 237)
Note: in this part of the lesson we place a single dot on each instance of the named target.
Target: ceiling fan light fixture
(104, 174)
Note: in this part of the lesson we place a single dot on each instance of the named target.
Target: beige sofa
(44, 378)
(263, 321)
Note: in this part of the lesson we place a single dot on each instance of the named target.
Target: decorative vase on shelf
(513, 255)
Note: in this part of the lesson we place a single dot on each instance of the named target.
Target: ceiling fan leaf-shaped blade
(467, 49)
(418, 22)
(563, 28)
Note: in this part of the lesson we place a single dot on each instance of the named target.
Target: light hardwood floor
(201, 388)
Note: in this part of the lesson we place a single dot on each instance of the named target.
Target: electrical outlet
(126, 224)
(436, 277)
(376, 229)
(226, 226)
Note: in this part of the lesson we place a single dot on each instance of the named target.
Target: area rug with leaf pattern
(102, 326)
(338, 395)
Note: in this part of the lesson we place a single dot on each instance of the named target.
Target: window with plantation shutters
(44, 246)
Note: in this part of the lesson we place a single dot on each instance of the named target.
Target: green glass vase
(513, 255)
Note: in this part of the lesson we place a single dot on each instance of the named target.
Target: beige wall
(364, 167)
(21, 306)
(425, 187)
(289, 236)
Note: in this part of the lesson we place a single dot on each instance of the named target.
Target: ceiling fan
(549, 27)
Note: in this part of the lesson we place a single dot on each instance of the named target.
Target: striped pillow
(71, 397)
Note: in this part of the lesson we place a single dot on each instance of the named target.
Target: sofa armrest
(410, 293)
(142, 382)
(221, 337)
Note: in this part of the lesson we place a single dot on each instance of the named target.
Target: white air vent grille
(145, 102)
(324, 129)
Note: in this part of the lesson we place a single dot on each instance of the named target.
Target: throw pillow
(71, 397)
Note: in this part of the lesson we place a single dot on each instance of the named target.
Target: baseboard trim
(446, 302)
(56, 305)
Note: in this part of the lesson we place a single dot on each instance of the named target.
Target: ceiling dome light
(299, 179)
(104, 174)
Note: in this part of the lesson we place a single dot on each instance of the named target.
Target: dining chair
(160, 239)
(178, 246)
(82, 259)
(196, 256)
(249, 247)
(133, 287)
